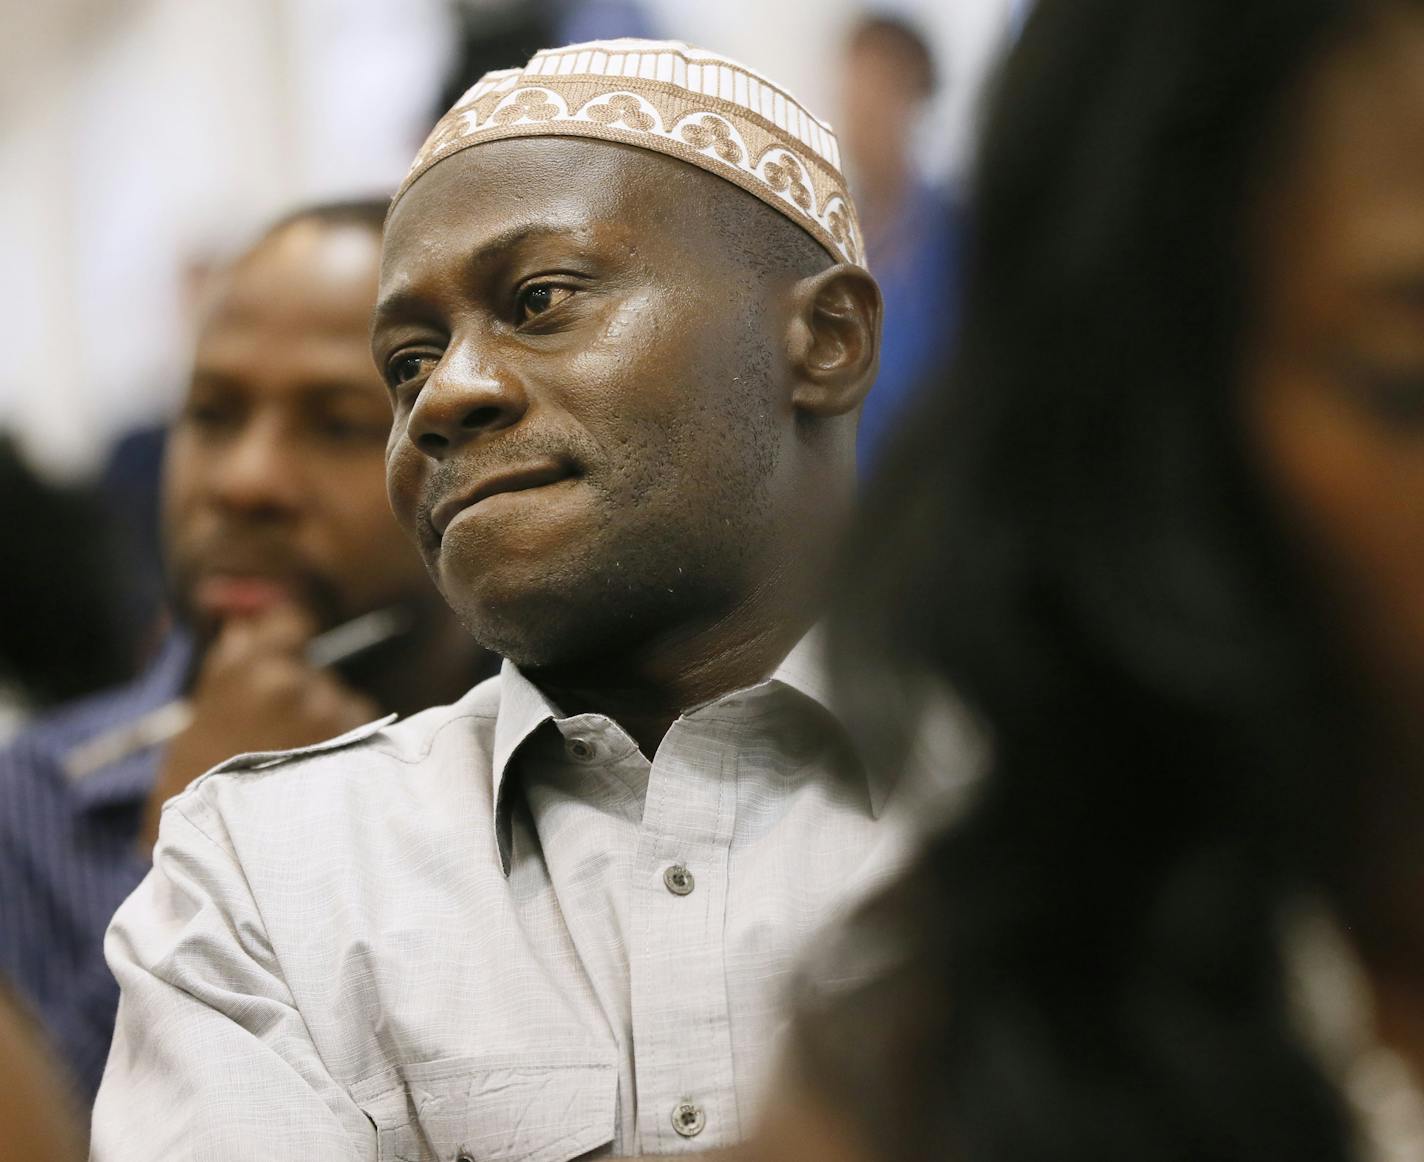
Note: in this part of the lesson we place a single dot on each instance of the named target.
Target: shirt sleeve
(211, 1058)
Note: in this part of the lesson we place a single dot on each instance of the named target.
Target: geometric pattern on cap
(672, 99)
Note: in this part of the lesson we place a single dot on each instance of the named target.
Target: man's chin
(530, 629)
(552, 626)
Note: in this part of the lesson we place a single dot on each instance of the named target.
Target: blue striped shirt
(69, 858)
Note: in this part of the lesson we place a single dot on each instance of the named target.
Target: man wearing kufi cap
(627, 330)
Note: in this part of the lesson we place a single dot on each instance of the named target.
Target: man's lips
(508, 480)
(225, 595)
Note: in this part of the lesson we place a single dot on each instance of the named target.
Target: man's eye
(345, 430)
(535, 300)
(210, 416)
(404, 368)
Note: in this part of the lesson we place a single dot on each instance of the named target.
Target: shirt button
(580, 749)
(679, 880)
(688, 1119)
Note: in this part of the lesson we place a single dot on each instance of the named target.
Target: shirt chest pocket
(491, 1109)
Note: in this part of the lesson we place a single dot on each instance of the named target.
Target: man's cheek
(405, 487)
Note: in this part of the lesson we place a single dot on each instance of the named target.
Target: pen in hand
(331, 648)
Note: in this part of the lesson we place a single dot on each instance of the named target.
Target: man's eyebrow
(405, 302)
(397, 307)
(213, 377)
(507, 240)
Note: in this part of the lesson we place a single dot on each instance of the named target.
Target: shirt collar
(130, 779)
(524, 708)
(805, 670)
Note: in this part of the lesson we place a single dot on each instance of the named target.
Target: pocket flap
(475, 1109)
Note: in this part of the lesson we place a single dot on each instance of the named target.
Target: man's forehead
(545, 176)
(245, 324)
(307, 269)
(274, 345)
(487, 202)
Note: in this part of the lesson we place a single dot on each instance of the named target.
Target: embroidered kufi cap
(673, 99)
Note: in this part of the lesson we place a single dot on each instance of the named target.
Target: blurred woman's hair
(1073, 536)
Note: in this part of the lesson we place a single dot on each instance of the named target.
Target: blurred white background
(139, 139)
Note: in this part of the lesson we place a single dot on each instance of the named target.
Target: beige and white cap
(665, 96)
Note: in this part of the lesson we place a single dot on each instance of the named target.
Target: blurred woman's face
(1336, 391)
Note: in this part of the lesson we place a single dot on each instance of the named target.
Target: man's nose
(258, 473)
(464, 398)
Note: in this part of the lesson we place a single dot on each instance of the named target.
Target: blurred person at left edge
(276, 527)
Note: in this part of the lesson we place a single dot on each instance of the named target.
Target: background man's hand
(255, 691)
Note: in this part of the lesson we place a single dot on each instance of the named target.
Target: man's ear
(834, 340)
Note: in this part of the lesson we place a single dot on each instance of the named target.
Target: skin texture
(276, 519)
(678, 420)
(1335, 407)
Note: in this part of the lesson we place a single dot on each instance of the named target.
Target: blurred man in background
(912, 231)
(276, 527)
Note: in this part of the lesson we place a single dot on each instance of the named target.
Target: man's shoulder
(308, 809)
(371, 751)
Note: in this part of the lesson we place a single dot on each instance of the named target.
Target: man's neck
(647, 691)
